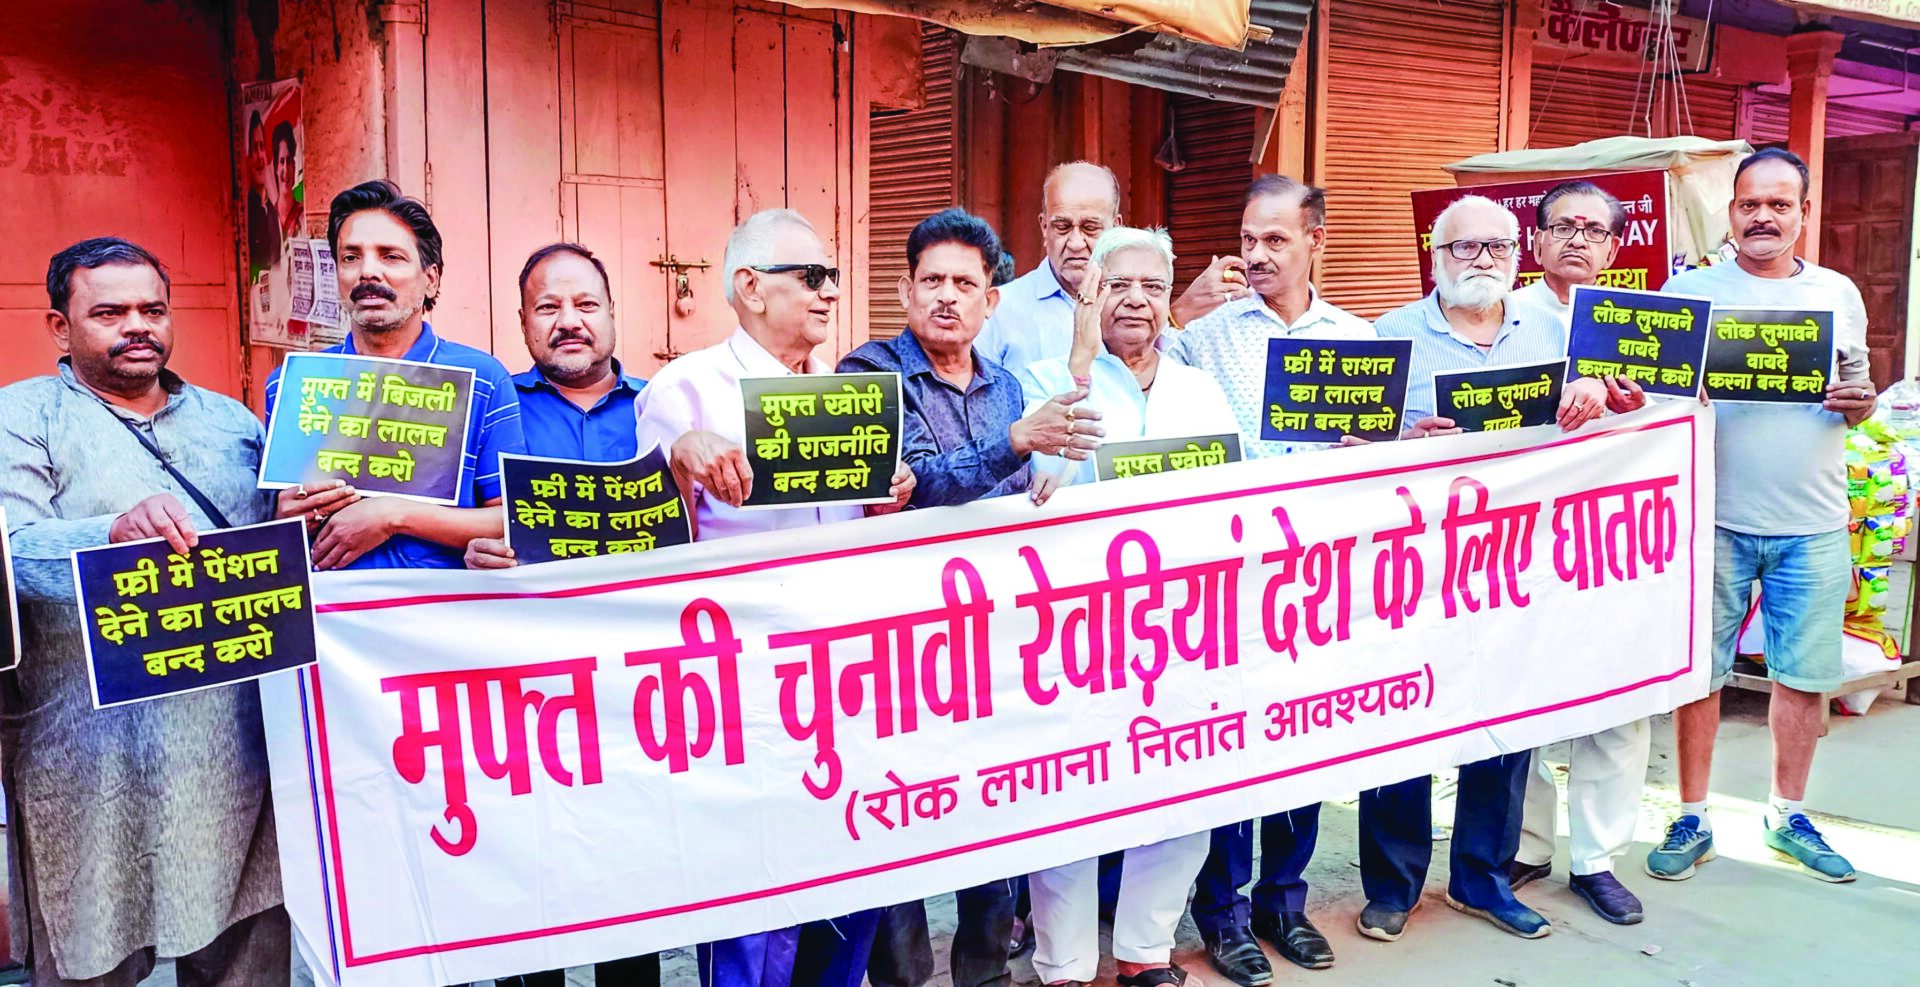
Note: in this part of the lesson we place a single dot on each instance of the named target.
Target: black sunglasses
(811, 275)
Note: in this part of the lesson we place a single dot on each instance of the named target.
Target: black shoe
(1608, 896)
(1294, 936)
(1520, 874)
(1238, 957)
(1382, 923)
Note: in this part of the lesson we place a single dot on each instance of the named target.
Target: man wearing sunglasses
(1470, 320)
(1578, 227)
(783, 292)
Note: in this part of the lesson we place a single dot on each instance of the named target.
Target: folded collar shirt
(701, 392)
(1230, 343)
(1033, 322)
(1529, 334)
(557, 428)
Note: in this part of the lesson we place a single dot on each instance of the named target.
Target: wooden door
(677, 121)
(121, 132)
(1391, 124)
(613, 173)
(1866, 233)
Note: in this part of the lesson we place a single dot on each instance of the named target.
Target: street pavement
(1747, 918)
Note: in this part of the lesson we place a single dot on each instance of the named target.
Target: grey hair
(1440, 221)
(1118, 238)
(751, 244)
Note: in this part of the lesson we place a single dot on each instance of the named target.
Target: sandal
(1159, 976)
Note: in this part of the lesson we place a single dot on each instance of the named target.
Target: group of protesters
(131, 841)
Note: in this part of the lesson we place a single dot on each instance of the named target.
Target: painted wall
(120, 131)
(334, 48)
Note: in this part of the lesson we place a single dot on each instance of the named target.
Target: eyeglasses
(811, 275)
(1151, 287)
(1472, 249)
(1563, 231)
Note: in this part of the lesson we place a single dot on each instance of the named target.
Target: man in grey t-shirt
(1781, 518)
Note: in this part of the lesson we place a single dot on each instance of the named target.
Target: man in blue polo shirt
(387, 252)
(574, 404)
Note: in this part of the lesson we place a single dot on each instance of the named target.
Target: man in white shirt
(783, 291)
(1034, 320)
(1576, 235)
(1577, 229)
(1781, 516)
(1283, 230)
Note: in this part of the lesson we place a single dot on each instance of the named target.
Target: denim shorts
(1804, 580)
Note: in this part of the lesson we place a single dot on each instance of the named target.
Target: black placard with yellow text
(565, 509)
(817, 439)
(237, 606)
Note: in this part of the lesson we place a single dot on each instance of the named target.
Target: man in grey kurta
(143, 830)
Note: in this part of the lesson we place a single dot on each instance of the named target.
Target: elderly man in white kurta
(1141, 395)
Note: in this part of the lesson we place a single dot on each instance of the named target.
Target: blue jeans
(1804, 581)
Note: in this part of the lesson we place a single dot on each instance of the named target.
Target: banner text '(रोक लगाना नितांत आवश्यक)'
(489, 773)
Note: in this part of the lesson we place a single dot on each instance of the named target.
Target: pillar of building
(1527, 16)
(406, 95)
(1809, 72)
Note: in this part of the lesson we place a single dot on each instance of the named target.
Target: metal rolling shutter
(912, 176)
(1411, 85)
(1572, 105)
(1204, 198)
(1770, 110)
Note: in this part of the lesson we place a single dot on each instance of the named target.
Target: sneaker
(1800, 842)
(1609, 898)
(1685, 846)
(1512, 917)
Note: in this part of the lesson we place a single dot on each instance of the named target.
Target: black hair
(1312, 198)
(1616, 213)
(283, 131)
(255, 124)
(563, 247)
(954, 225)
(89, 254)
(1778, 154)
(385, 196)
(1006, 270)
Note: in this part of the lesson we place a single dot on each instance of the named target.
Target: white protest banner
(493, 773)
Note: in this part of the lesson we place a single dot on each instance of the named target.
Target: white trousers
(1154, 881)
(1605, 775)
